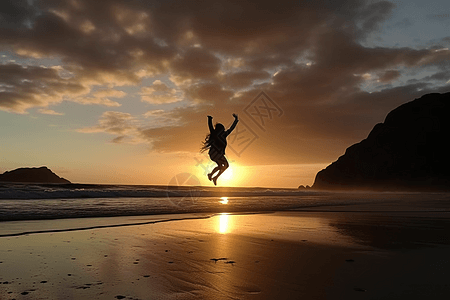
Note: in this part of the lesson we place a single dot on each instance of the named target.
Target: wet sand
(285, 255)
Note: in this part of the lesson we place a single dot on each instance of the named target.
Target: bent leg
(223, 163)
(214, 171)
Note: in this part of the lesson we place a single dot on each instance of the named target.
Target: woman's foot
(215, 180)
(210, 176)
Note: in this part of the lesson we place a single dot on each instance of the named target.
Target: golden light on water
(224, 200)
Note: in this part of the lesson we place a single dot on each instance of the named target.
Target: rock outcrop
(32, 175)
(409, 151)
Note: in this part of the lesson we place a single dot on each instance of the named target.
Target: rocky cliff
(409, 151)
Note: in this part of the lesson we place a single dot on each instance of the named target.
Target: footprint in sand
(217, 259)
(249, 289)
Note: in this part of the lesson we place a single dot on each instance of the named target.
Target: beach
(244, 150)
(327, 254)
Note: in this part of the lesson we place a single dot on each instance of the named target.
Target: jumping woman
(216, 142)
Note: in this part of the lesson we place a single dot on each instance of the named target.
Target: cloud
(96, 43)
(95, 100)
(103, 93)
(227, 56)
(113, 122)
(23, 87)
(132, 129)
(16, 14)
(214, 57)
(46, 111)
(99, 97)
(243, 79)
(160, 99)
(389, 75)
(123, 125)
(195, 63)
(213, 93)
(371, 15)
(439, 76)
(158, 86)
(159, 93)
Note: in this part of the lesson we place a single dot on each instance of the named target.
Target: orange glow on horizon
(235, 175)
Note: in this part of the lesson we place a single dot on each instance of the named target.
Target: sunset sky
(118, 91)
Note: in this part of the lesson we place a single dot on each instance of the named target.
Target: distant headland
(32, 175)
(409, 151)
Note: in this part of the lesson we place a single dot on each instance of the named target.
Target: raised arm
(234, 124)
(210, 124)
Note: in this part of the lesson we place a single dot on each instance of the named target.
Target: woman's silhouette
(216, 142)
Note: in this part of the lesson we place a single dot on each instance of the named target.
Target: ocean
(62, 201)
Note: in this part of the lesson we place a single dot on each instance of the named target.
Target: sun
(232, 176)
(228, 174)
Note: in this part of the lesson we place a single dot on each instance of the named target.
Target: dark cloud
(243, 79)
(194, 64)
(389, 75)
(209, 93)
(24, 87)
(371, 15)
(440, 76)
(16, 14)
(94, 38)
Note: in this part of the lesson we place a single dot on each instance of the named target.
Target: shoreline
(102, 222)
(320, 255)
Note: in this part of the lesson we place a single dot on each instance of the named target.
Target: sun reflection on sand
(224, 224)
(224, 200)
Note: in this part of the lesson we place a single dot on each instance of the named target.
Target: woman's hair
(211, 137)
